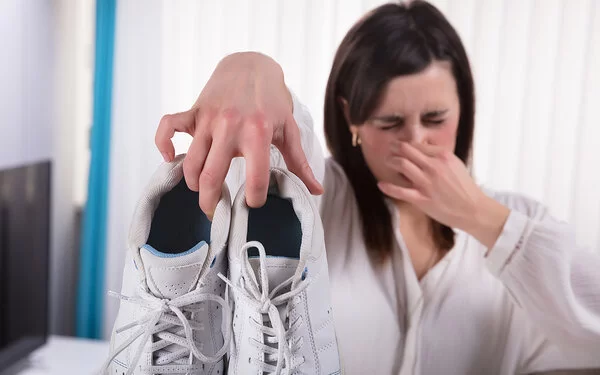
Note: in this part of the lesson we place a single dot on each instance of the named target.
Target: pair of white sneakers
(247, 293)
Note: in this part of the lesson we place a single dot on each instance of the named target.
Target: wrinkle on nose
(414, 133)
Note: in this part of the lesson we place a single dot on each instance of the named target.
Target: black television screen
(24, 259)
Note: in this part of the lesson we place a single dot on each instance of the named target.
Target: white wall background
(73, 31)
(26, 100)
(44, 111)
(536, 66)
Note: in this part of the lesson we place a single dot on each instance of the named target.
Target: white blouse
(533, 304)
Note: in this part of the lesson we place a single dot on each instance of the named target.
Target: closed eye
(434, 117)
(387, 122)
(435, 122)
(391, 126)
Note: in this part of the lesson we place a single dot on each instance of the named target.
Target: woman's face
(421, 108)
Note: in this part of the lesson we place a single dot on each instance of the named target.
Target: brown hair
(392, 40)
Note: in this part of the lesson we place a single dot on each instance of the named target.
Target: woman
(430, 273)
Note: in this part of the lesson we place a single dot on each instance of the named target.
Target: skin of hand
(243, 109)
(443, 189)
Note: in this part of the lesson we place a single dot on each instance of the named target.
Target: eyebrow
(396, 118)
(387, 118)
(435, 113)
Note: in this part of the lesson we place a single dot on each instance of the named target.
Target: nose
(413, 133)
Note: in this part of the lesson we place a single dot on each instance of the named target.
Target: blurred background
(84, 84)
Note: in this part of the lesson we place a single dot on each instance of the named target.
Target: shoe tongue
(279, 269)
(172, 275)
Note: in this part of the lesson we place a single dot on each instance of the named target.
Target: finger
(437, 152)
(400, 193)
(213, 175)
(415, 155)
(257, 155)
(195, 159)
(169, 124)
(295, 158)
(428, 149)
(410, 170)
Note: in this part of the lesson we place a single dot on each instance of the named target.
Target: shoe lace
(167, 320)
(280, 343)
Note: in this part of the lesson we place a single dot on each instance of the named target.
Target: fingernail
(319, 186)
(318, 183)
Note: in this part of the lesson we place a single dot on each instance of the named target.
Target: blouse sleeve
(555, 282)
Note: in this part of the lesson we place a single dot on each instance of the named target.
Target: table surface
(63, 355)
(69, 356)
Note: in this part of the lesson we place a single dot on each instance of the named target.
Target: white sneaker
(173, 318)
(279, 285)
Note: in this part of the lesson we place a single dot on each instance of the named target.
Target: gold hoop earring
(355, 139)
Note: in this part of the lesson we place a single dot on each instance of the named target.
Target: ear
(346, 109)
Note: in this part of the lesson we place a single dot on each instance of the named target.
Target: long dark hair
(392, 40)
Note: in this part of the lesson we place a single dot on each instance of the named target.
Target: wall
(26, 67)
(73, 77)
(44, 111)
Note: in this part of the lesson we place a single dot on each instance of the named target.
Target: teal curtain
(90, 294)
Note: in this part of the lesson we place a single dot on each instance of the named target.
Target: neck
(413, 218)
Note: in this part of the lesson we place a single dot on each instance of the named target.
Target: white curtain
(536, 66)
